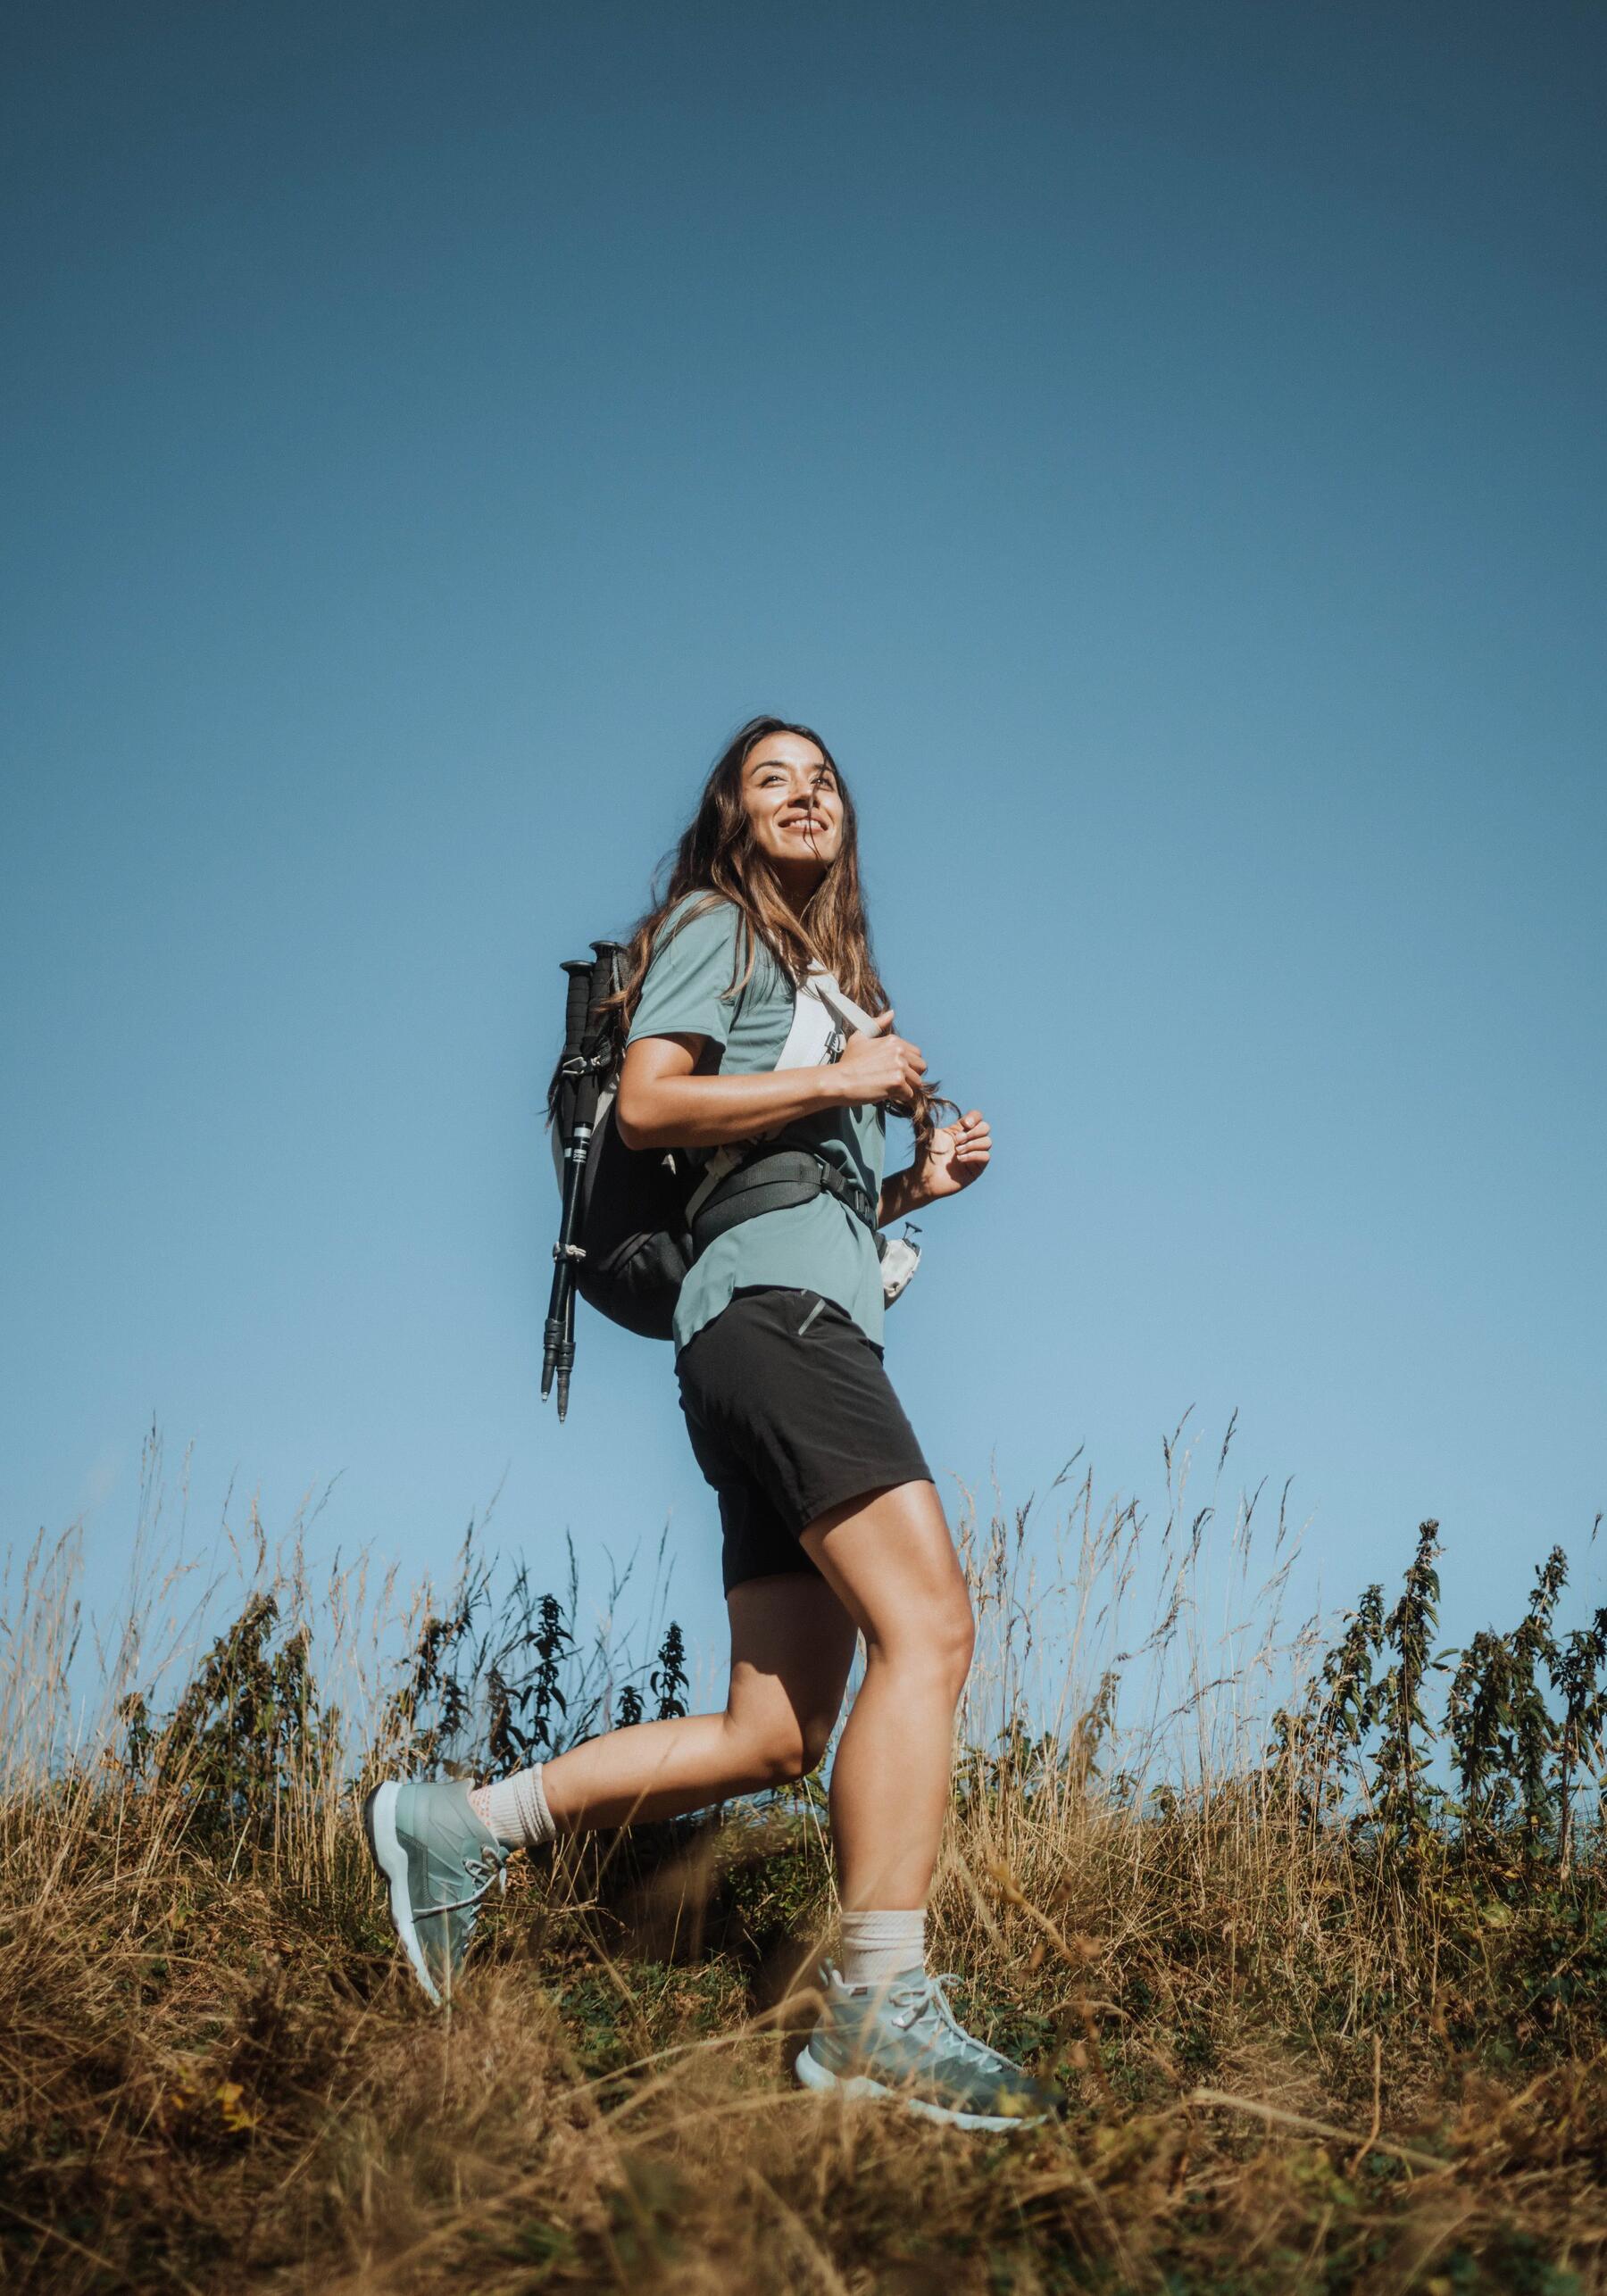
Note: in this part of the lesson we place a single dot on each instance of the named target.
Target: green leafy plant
(1403, 1796)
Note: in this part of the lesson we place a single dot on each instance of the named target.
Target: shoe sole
(815, 2076)
(385, 1848)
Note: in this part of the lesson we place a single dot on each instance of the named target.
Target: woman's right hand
(878, 1067)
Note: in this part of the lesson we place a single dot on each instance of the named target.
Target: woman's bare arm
(663, 1104)
(900, 1194)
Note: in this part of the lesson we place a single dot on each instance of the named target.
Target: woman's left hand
(955, 1155)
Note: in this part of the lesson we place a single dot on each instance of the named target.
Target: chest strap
(775, 1179)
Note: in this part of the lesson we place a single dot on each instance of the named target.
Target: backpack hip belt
(774, 1179)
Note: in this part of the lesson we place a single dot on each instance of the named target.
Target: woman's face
(791, 797)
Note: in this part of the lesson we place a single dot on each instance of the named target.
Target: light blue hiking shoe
(439, 1861)
(901, 2040)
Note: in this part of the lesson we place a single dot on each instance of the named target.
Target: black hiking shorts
(790, 1413)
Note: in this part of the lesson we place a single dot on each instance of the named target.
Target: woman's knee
(936, 1640)
(957, 1640)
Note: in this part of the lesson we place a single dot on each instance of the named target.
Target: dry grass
(1305, 2054)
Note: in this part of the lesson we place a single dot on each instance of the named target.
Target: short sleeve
(687, 990)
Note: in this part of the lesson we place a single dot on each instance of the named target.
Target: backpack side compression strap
(775, 1179)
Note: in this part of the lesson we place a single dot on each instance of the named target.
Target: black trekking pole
(558, 1347)
(586, 1036)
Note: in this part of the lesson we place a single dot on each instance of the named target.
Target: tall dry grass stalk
(1325, 2023)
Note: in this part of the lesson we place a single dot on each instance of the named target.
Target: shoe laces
(923, 1997)
(480, 1869)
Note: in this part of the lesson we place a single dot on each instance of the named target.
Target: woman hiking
(831, 1524)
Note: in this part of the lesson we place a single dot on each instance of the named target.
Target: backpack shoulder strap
(823, 1015)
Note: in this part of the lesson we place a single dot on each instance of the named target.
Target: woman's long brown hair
(716, 856)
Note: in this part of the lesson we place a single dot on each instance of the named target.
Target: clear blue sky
(1160, 446)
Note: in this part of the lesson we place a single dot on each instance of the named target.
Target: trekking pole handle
(576, 1005)
(601, 986)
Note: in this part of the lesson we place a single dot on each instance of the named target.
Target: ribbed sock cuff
(517, 1812)
(877, 1946)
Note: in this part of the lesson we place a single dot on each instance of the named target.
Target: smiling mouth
(812, 822)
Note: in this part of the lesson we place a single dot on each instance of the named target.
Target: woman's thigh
(888, 1557)
(791, 1646)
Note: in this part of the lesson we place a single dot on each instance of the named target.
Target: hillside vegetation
(1313, 1930)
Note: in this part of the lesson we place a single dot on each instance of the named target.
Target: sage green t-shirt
(818, 1246)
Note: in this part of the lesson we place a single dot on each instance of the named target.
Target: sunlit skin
(887, 1563)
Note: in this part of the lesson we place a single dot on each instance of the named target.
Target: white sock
(515, 1809)
(877, 1946)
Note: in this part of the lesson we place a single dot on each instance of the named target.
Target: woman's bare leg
(792, 1644)
(890, 1559)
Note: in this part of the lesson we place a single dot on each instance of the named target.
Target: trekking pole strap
(775, 1179)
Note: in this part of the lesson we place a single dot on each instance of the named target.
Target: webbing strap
(775, 1179)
